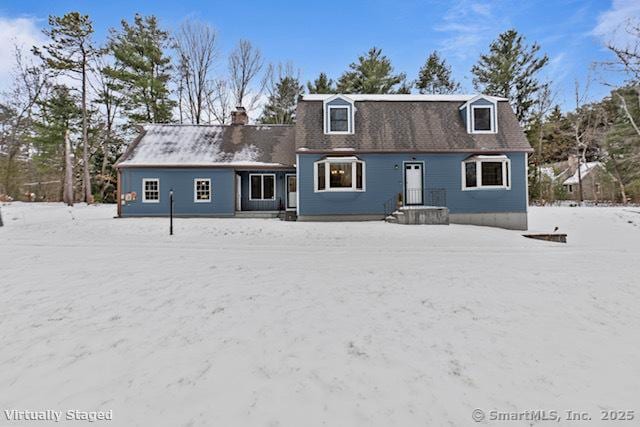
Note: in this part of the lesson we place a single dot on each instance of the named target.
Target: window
(338, 115)
(471, 175)
(339, 174)
(201, 190)
(151, 190)
(338, 119)
(262, 186)
(482, 118)
(486, 172)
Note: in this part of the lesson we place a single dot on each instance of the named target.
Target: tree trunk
(580, 196)
(67, 195)
(86, 176)
(623, 193)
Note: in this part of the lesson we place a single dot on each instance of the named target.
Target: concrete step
(257, 214)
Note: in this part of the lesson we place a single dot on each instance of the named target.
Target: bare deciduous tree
(219, 103)
(29, 82)
(245, 63)
(196, 43)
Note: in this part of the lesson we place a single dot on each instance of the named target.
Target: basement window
(262, 186)
(486, 173)
(150, 190)
(339, 174)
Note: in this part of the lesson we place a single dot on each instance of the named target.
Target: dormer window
(339, 113)
(480, 114)
(482, 119)
(338, 119)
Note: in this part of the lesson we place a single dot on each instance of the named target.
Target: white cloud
(470, 25)
(21, 32)
(613, 24)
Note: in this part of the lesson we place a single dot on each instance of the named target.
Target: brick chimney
(239, 116)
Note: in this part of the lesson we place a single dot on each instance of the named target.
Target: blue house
(348, 157)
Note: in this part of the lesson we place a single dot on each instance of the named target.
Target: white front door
(413, 181)
(292, 192)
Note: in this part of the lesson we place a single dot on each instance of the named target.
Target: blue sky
(327, 36)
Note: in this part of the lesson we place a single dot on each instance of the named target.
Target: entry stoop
(420, 215)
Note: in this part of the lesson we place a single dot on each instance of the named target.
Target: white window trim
(327, 172)
(492, 112)
(195, 190)
(506, 173)
(349, 120)
(327, 107)
(262, 195)
(144, 192)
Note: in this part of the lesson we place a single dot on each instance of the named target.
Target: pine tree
(435, 77)
(283, 96)
(509, 70)
(142, 69)
(58, 115)
(70, 51)
(622, 142)
(322, 84)
(373, 73)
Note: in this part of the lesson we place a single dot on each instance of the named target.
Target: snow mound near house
(263, 322)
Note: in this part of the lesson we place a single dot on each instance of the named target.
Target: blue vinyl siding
(384, 180)
(181, 181)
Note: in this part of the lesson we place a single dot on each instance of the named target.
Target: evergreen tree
(373, 73)
(435, 77)
(58, 114)
(142, 69)
(70, 51)
(283, 96)
(622, 142)
(322, 84)
(509, 70)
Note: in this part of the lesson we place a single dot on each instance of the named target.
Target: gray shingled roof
(203, 145)
(423, 126)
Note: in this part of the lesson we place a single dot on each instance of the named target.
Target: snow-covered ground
(249, 322)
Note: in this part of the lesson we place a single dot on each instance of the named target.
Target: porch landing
(420, 215)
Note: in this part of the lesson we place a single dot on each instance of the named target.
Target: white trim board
(399, 97)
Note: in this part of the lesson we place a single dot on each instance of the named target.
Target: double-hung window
(150, 190)
(338, 119)
(339, 174)
(202, 190)
(482, 119)
(486, 172)
(262, 186)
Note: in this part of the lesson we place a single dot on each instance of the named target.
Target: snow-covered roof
(585, 169)
(400, 97)
(203, 145)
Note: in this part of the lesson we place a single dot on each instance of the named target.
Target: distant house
(597, 183)
(348, 157)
